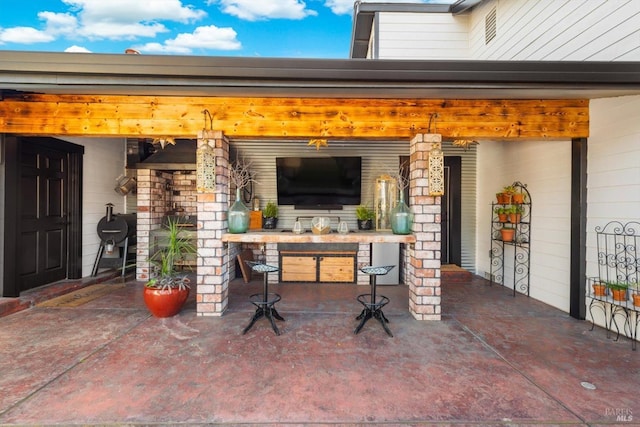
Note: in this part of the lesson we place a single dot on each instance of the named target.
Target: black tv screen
(319, 182)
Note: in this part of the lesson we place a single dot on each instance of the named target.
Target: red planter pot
(165, 303)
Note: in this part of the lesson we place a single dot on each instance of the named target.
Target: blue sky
(252, 28)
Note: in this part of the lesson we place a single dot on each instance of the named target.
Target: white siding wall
(103, 162)
(545, 168)
(422, 36)
(558, 30)
(613, 180)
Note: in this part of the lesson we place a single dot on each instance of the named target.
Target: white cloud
(125, 19)
(75, 48)
(121, 31)
(340, 7)
(58, 23)
(134, 11)
(209, 37)
(255, 10)
(25, 35)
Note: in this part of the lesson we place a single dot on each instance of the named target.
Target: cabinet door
(336, 269)
(298, 268)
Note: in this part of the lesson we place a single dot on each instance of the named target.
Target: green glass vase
(401, 217)
(238, 216)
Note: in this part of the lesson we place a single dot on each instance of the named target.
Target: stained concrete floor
(492, 360)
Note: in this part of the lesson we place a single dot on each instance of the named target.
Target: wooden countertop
(278, 236)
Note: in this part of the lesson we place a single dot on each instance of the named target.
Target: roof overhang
(120, 74)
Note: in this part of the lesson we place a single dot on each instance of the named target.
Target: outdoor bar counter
(287, 236)
(331, 257)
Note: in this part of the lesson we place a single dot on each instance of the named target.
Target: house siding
(103, 162)
(613, 174)
(551, 30)
(422, 35)
(547, 175)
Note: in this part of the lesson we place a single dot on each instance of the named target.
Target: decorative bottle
(238, 215)
(401, 217)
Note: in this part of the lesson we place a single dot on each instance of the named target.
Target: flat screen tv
(319, 182)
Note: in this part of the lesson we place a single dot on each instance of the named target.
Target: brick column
(423, 274)
(213, 260)
(151, 207)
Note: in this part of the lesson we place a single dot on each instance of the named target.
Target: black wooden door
(42, 214)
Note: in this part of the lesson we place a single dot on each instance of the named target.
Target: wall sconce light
(436, 161)
(206, 158)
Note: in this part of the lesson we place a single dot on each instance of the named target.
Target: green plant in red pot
(165, 294)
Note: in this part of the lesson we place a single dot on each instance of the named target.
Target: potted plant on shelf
(365, 217)
(270, 216)
(501, 211)
(504, 196)
(165, 294)
(515, 213)
(599, 289)
(618, 290)
(636, 295)
(507, 233)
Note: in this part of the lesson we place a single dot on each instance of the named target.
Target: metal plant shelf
(514, 256)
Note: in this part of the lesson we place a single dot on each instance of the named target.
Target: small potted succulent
(618, 290)
(501, 211)
(365, 217)
(270, 216)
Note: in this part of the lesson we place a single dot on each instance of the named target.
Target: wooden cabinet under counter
(327, 267)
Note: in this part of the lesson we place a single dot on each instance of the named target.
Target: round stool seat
(377, 270)
(260, 267)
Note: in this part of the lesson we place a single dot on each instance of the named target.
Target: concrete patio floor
(492, 360)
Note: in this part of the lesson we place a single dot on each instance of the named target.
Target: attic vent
(490, 26)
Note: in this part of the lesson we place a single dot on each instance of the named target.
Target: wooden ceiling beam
(292, 118)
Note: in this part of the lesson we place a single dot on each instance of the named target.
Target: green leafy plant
(364, 213)
(618, 286)
(165, 259)
(509, 189)
(500, 210)
(270, 210)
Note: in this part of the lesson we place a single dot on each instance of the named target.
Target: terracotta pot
(514, 218)
(165, 303)
(503, 198)
(502, 217)
(507, 234)
(517, 198)
(599, 290)
(636, 300)
(619, 294)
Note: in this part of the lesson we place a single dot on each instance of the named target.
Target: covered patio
(492, 360)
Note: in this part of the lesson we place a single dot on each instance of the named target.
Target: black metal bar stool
(265, 301)
(373, 303)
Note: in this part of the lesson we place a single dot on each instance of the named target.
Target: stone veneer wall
(423, 273)
(213, 257)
